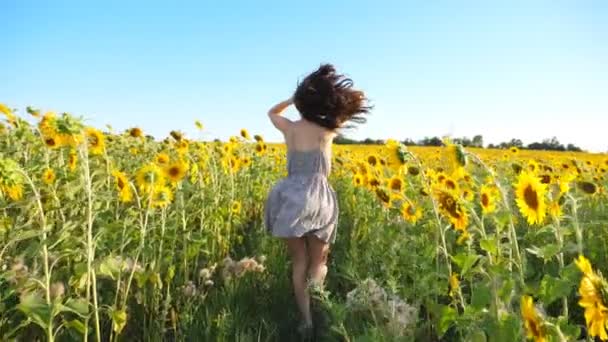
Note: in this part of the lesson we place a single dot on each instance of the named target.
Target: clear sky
(503, 69)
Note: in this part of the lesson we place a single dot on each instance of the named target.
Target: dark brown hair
(328, 99)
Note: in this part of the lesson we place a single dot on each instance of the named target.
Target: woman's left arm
(281, 123)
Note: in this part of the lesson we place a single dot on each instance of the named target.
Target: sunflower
(260, 148)
(72, 160)
(592, 290)
(555, 210)
(245, 134)
(410, 212)
(161, 196)
(96, 140)
(14, 192)
(358, 179)
(452, 209)
(162, 158)
(395, 184)
(199, 125)
(122, 184)
(11, 182)
(384, 196)
(246, 161)
(182, 146)
(535, 328)
(450, 184)
(587, 187)
(373, 182)
(530, 198)
(396, 153)
(372, 160)
(258, 138)
(514, 150)
(176, 171)
(178, 136)
(148, 177)
(5, 110)
(48, 176)
(235, 207)
(464, 237)
(454, 285)
(52, 141)
(487, 199)
(413, 170)
(136, 132)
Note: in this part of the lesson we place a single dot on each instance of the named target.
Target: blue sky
(524, 69)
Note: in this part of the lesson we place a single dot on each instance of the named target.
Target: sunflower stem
(45, 254)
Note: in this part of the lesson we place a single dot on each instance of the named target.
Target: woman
(302, 209)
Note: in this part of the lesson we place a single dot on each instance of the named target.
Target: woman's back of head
(328, 99)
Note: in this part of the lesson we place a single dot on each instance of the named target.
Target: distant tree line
(477, 141)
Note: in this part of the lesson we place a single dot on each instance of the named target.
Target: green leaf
(481, 296)
(546, 252)
(507, 329)
(552, 289)
(489, 245)
(76, 325)
(571, 273)
(110, 267)
(78, 306)
(570, 330)
(465, 262)
(448, 316)
(36, 309)
(476, 336)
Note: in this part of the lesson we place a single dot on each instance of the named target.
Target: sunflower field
(113, 236)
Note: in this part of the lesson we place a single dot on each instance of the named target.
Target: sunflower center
(174, 171)
(121, 183)
(534, 327)
(94, 140)
(485, 200)
(531, 197)
(396, 184)
(411, 210)
(450, 184)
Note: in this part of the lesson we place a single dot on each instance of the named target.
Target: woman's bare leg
(299, 257)
(317, 252)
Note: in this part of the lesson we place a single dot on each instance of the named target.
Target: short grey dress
(304, 202)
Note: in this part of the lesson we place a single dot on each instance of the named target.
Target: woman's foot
(305, 330)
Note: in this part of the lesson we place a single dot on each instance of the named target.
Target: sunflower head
(411, 212)
(245, 134)
(235, 207)
(177, 135)
(148, 177)
(95, 140)
(358, 180)
(451, 208)
(176, 171)
(413, 170)
(162, 158)
(72, 160)
(530, 198)
(48, 176)
(136, 132)
(161, 196)
(533, 323)
(372, 160)
(587, 187)
(395, 184)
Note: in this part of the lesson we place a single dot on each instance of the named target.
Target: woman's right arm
(281, 123)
